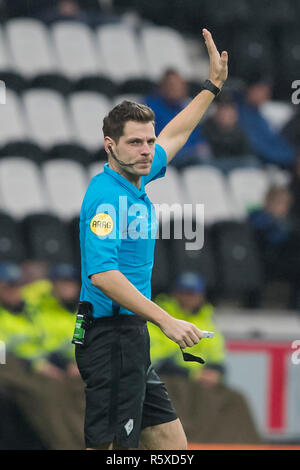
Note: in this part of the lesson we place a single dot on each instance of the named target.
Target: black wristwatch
(208, 85)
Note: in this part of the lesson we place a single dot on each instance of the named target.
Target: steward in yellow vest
(188, 303)
(55, 303)
(20, 334)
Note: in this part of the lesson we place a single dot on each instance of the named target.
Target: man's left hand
(218, 71)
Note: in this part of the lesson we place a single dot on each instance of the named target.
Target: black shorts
(123, 392)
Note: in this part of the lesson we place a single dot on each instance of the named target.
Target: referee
(127, 406)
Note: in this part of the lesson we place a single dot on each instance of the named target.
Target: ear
(108, 144)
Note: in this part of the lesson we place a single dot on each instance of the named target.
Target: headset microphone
(119, 161)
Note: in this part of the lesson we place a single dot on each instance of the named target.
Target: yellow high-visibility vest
(211, 350)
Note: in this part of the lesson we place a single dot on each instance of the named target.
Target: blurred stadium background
(64, 65)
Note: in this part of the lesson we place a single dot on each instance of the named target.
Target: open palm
(218, 70)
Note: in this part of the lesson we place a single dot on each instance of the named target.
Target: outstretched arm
(173, 137)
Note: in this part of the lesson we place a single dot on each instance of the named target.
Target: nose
(146, 151)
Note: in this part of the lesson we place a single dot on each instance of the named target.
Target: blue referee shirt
(118, 229)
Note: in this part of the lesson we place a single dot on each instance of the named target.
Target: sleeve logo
(102, 225)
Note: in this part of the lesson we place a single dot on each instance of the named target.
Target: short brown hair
(113, 124)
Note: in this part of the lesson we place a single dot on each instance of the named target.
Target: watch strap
(208, 85)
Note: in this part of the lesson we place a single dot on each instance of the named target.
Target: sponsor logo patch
(102, 224)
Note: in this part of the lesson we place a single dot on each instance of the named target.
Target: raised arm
(173, 137)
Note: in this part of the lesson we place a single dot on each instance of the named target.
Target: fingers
(182, 344)
(191, 338)
(198, 333)
(186, 342)
(224, 58)
(211, 47)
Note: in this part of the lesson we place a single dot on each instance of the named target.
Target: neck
(133, 179)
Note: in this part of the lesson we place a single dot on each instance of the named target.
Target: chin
(144, 171)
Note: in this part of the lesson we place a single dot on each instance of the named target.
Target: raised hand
(218, 70)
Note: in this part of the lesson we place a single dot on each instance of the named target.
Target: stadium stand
(73, 232)
(119, 48)
(161, 273)
(14, 81)
(47, 116)
(229, 14)
(12, 120)
(277, 113)
(94, 169)
(75, 152)
(100, 155)
(289, 58)
(138, 86)
(65, 180)
(99, 84)
(12, 247)
(76, 50)
(4, 61)
(24, 36)
(239, 268)
(52, 81)
(206, 185)
(252, 51)
(167, 191)
(165, 49)
(248, 188)
(127, 96)
(88, 110)
(20, 187)
(47, 238)
(201, 261)
(29, 150)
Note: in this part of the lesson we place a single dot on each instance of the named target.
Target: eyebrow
(134, 139)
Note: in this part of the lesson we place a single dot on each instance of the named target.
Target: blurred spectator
(49, 11)
(39, 373)
(295, 191)
(17, 331)
(65, 286)
(68, 8)
(292, 131)
(269, 145)
(62, 10)
(171, 98)
(228, 141)
(57, 299)
(188, 303)
(33, 270)
(278, 240)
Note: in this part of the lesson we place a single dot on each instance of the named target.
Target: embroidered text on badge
(102, 224)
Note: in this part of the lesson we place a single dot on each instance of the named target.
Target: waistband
(120, 320)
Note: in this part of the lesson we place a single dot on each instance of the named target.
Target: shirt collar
(124, 182)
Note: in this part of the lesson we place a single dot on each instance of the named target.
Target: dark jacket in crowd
(226, 142)
(292, 131)
(268, 144)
